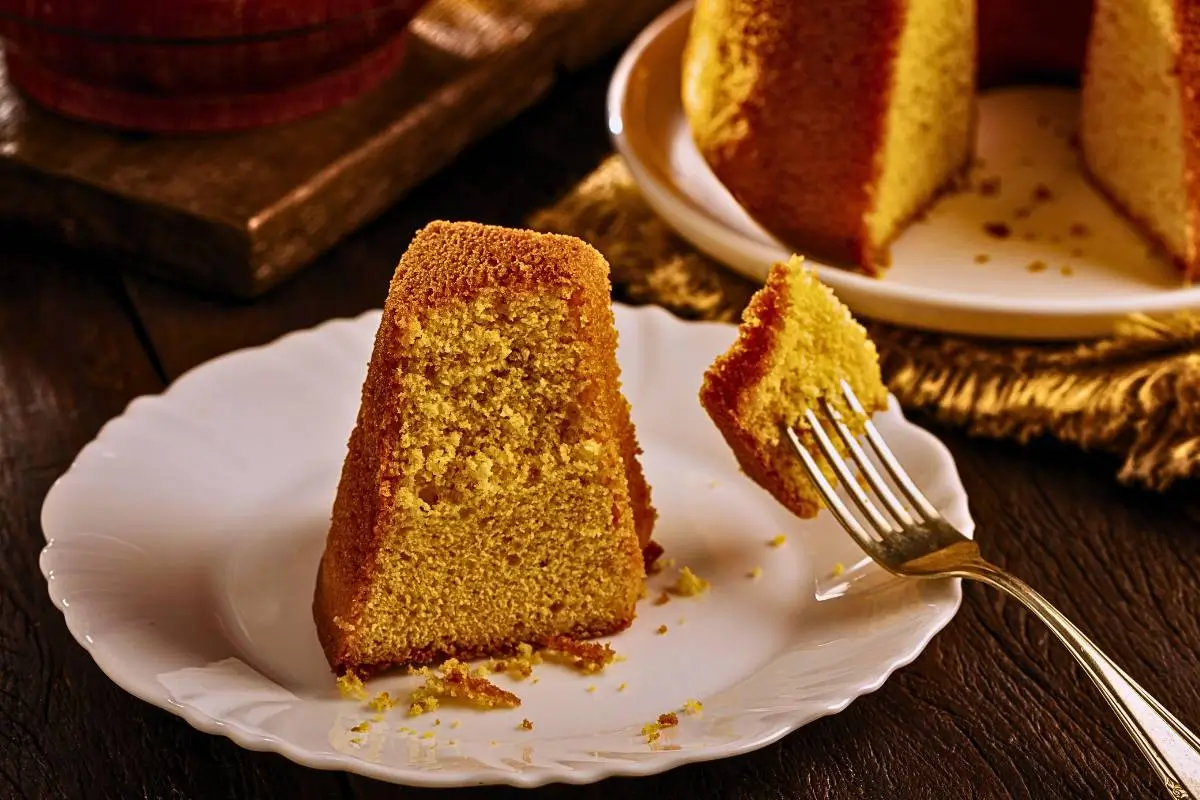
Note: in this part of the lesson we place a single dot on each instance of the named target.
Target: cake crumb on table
(692, 706)
(361, 727)
(755, 573)
(661, 630)
(778, 541)
(662, 599)
(838, 569)
(526, 725)
(621, 687)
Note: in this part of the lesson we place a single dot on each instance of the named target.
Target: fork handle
(1171, 748)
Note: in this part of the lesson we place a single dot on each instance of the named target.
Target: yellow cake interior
(928, 129)
(1132, 120)
(504, 507)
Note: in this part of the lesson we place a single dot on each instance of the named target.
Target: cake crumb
(361, 727)
(662, 599)
(999, 230)
(689, 584)
(778, 541)
(585, 656)
(526, 725)
(437, 722)
(521, 665)
(452, 743)
(350, 685)
(382, 702)
(456, 681)
(455, 723)
(661, 630)
(652, 730)
(755, 573)
(982, 258)
(838, 569)
(428, 735)
(1036, 266)
(692, 706)
(621, 687)
(591, 688)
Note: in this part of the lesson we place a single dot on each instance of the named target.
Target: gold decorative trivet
(1136, 393)
(239, 213)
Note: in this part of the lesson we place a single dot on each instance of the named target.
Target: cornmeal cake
(491, 494)
(835, 124)
(794, 346)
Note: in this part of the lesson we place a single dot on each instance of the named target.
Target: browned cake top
(457, 260)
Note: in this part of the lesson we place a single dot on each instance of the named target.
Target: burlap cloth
(1134, 394)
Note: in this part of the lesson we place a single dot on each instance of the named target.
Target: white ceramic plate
(1088, 281)
(183, 544)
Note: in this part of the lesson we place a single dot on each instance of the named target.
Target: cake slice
(1140, 118)
(794, 346)
(833, 124)
(491, 494)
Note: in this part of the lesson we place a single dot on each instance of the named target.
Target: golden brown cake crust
(831, 127)
(1187, 19)
(448, 263)
(740, 367)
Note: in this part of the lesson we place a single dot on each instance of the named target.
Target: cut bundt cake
(1140, 118)
(833, 124)
(491, 495)
(795, 345)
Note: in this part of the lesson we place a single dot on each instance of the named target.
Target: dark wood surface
(994, 708)
(240, 213)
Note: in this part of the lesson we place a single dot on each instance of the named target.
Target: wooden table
(993, 708)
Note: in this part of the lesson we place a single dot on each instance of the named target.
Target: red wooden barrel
(200, 65)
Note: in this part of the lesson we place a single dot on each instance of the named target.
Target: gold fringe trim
(1134, 394)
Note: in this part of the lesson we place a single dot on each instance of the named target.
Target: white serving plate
(934, 281)
(183, 544)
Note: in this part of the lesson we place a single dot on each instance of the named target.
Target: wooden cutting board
(238, 214)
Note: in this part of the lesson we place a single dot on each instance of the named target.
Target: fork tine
(882, 526)
(834, 503)
(874, 479)
(889, 461)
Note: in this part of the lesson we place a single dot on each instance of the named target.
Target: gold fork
(913, 539)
